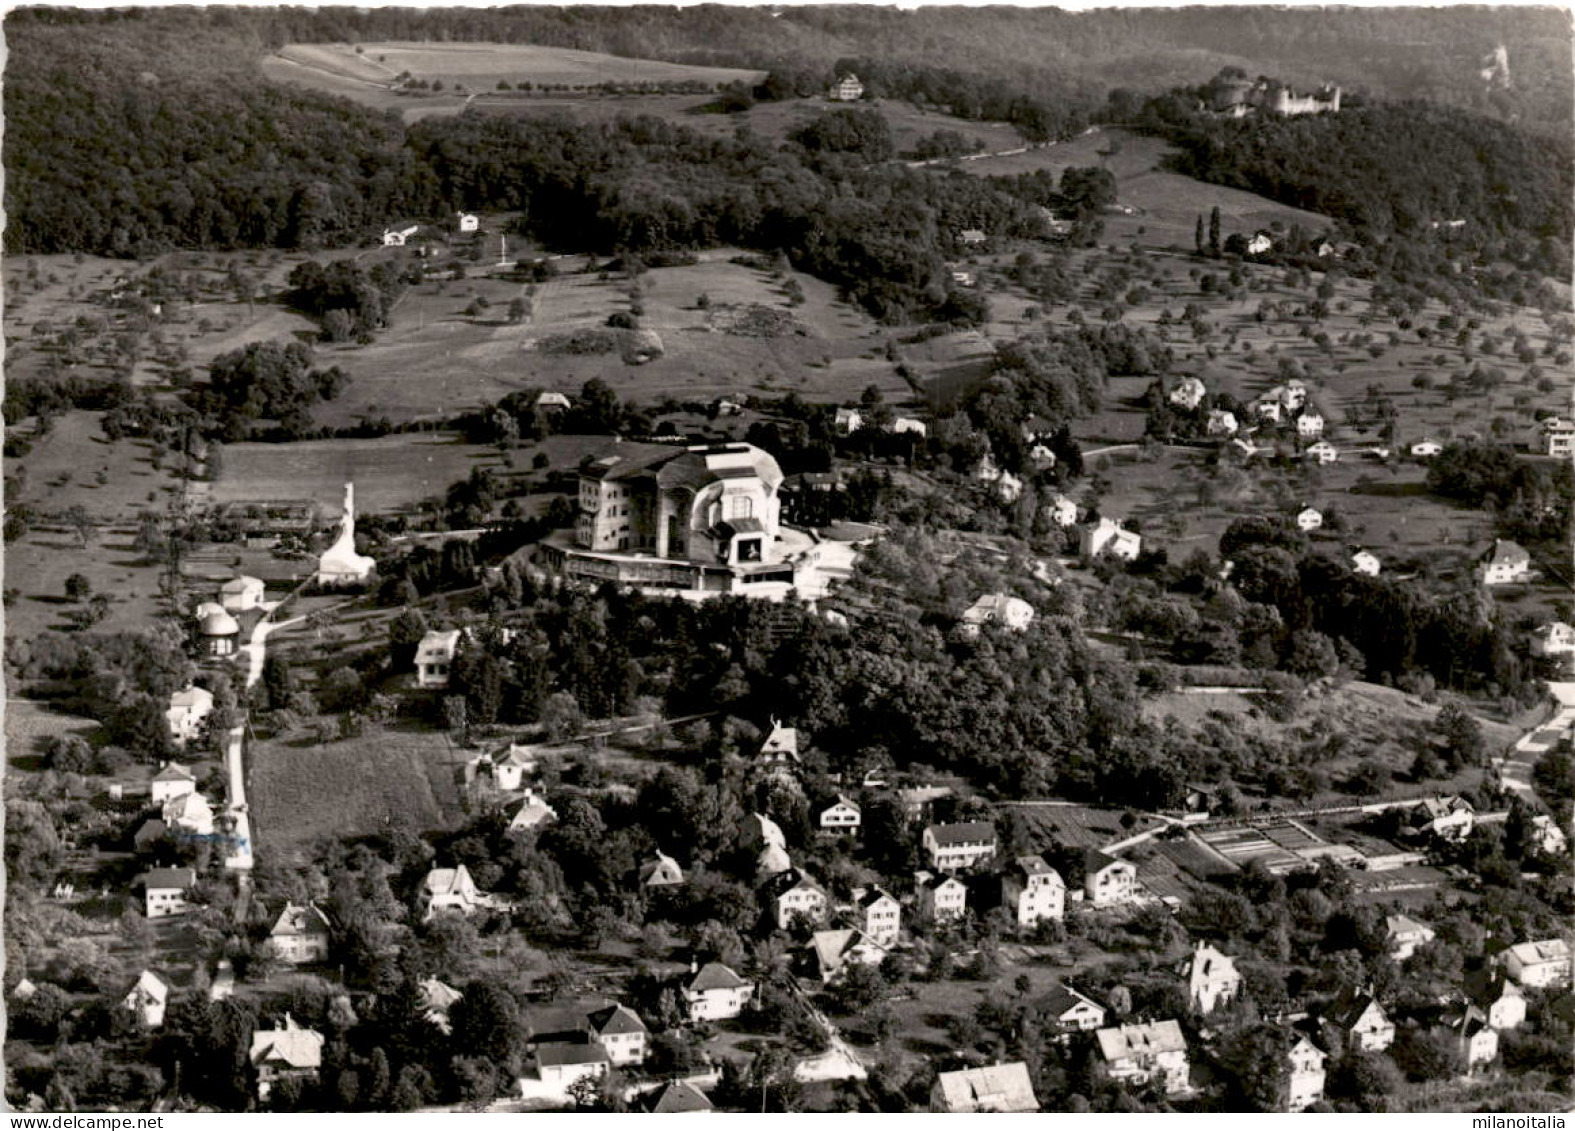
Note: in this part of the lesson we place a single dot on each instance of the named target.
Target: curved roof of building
(219, 623)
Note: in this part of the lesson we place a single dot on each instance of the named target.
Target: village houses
(147, 1000)
(1558, 437)
(1062, 511)
(998, 1089)
(1507, 563)
(530, 811)
(1147, 1052)
(715, 992)
(300, 935)
(1323, 452)
(1188, 393)
(1475, 1040)
(939, 897)
(1309, 425)
(952, 848)
(218, 632)
(1554, 640)
(1107, 882)
(434, 657)
(878, 915)
(1448, 818)
(676, 1097)
(796, 896)
(1212, 979)
(620, 1031)
(283, 1053)
(399, 234)
(1033, 891)
(847, 88)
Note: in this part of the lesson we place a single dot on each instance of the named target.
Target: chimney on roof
(694, 965)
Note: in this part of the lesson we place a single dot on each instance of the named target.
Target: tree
(1214, 232)
(1197, 236)
(78, 588)
(80, 521)
(560, 716)
(485, 1023)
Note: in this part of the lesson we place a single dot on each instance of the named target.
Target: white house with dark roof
(954, 847)
(1474, 1038)
(165, 890)
(1309, 425)
(1304, 1084)
(1309, 519)
(1212, 979)
(1363, 1022)
(662, 871)
(530, 811)
(173, 780)
(715, 992)
(841, 817)
(188, 814)
(998, 1088)
(879, 915)
(779, 751)
(1149, 1052)
(1109, 537)
(435, 657)
(1501, 1001)
(794, 895)
(1507, 563)
(1068, 1010)
(1012, 613)
(676, 1097)
(1107, 881)
(940, 898)
(621, 1032)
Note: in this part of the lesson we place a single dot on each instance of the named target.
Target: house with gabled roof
(1538, 964)
(759, 831)
(1012, 613)
(1474, 1039)
(173, 780)
(1405, 934)
(512, 768)
(1304, 1084)
(715, 992)
(831, 952)
(1067, 1010)
(188, 814)
(1062, 511)
(1032, 891)
(1361, 1020)
(998, 1088)
(1499, 998)
(1309, 425)
(437, 998)
(794, 895)
(1448, 818)
(1309, 519)
(1109, 537)
(188, 709)
(399, 234)
(1148, 1052)
(530, 811)
(674, 1098)
(165, 891)
(285, 1053)
(240, 594)
(1555, 639)
(1322, 452)
(1212, 979)
(147, 1000)
(841, 817)
(662, 871)
(620, 1031)
(1107, 881)
(300, 935)
(779, 751)
(562, 1064)
(878, 914)
(452, 889)
(435, 657)
(957, 846)
(1507, 563)
(1366, 563)
(939, 897)
(847, 88)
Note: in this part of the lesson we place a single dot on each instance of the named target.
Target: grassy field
(301, 792)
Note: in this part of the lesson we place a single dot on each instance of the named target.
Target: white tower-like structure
(340, 564)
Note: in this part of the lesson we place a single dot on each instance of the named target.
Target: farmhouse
(1032, 891)
(1308, 519)
(703, 519)
(999, 1088)
(300, 935)
(840, 817)
(716, 993)
(847, 88)
(550, 401)
(1505, 564)
(1305, 1084)
(1366, 562)
(954, 847)
(1108, 537)
(187, 711)
(661, 872)
(147, 1000)
(1212, 979)
(1538, 964)
(173, 780)
(1152, 1051)
(340, 565)
(290, 1052)
(1107, 882)
(940, 898)
(1011, 613)
(796, 896)
(434, 657)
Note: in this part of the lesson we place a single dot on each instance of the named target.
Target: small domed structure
(218, 630)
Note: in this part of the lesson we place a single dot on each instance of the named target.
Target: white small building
(1011, 613)
(1212, 979)
(399, 235)
(511, 769)
(240, 594)
(1366, 563)
(1108, 537)
(1558, 437)
(1309, 519)
(1309, 424)
(1259, 243)
(1553, 639)
(300, 935)
(1033, 892)
(1323, 452)
(165, 890)
(1405, 934)
(1107, 882)
(173, 780)
(1475, 1039)
(147, 1000)
(1426, 448)
(435, 657)
(1507, 563)
(621, 1032)
(1547, 837)
(1268, 407)
(841, 817)
(958, 846)
(879, 915)
(1188, 393)
(940, 898)
(847, 88)
(1151, 1052)
(468, 222)
(1221, 422)
(1062, 511)
(716, 993)
(910, 424)
(972, 237)
(1538, 965)
(188, 709)
(552, 401)
(1304, 1087)
(847, 421)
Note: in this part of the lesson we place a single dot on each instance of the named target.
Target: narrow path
(1514, 769)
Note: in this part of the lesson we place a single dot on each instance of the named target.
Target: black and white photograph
(789, 558)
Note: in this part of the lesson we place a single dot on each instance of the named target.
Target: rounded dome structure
(219, 623)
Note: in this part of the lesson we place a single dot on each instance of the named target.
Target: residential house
(1323, 452)
(1499, 999)
(879, 916)
(1506, 564)
(290, 1052)
(552, 402)
(164, 891)
(661, 872)
(437, 998)
(1366, 563)
(1107, 882)
(1009, 612)
(1033, 891)
(1426, 449)
(1221, 422)
(435, 656)
(510, 770)
(939, 897)
(1212, 979)
(841, 817)
(957, 846)
(300, 935)
(147, 1000)
(1475, 1039)
(1201, 799)
(452, 889)
(972, 237)
(188, 709)
(676, 1097)
(218, 633)
(1042, 456)
(468, 222)
(1538, 964)
(1448, 818)
(999, 1088)
(1268, 408)
(919, 801)
(1188, 393)
(399, 235)
(1108, 537)
(1149, 1052)
(830, 953)
(1361, 1020)
(847, 421)
(189, 814)
(794, 895)
(562, 1064)
(847, 88)
(1547, 837)
(1309, 425)
(1558, 437)
(780, 749)
(760, 831)
(1067, 1011)
(1405, 934)
(1292, 394)
(1259, 243)
(1309, 519)
(1007, 486)
(240, 594)
(531, 811)
(1304, 1086)
(620, 1031)
(909, 424)
(716, 993)
(173, 780)
(1553, 640)
(1062, 511)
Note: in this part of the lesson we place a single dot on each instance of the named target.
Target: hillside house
(241, 594)
(1067, 1010)
(173, 780)
(1507, 563)
(1033, 891)
(910, 425)
(300, 935)
(290, 1052)
(940, 898)
(400, 234)
(1366, 563)
(1547, 837)
(1537, 965)
(840, 818)
(676, 1097)
(1554, 640)
(760, 831)
(1042, 457)
(1107, 882)
(1309, 519)
(999, 1088)
(562, 1064)
(1221, 422)
(847, 421)
(531, 811)
(550, 401)
(1500, 1000)
(1304, 1085)
(1108, 537)
(1012, 613)
(779, 752)
(452, 889)
(954, 847)
(164, 891)
(467, 222)
(1292, 394)
(147, 1000)
(1309, 425)
(1259, 243)
(218, 633)
(1475, 1040)
(1150, 1052)
(716, 993)
(1448, 818)
(831, 953)
(620, 1031)
(1212, 979)
(340, 566)
(511, 769)
(878, 915)
(189, 814)
(1405, 934)
(437, 998)
(189, 708)
(1062, 511)
(1188, 393)
(847, 88)
(1322, 452)
(434, 657)
(661, 872)
(1361, 1020)
(793, 895)
(1558, 437)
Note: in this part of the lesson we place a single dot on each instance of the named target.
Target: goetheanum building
(701, 520)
